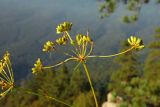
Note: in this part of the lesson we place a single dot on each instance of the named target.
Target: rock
(112, 101)
(109, 104)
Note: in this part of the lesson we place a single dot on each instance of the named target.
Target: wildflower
(38, 67)
(62, 41)
(6, 77)
(48, 46)
(135, 42)
(6, 56)
(66, 26)
(82, 39)
(88, 39)
(3, 84)
(79, 39)
(1, 66)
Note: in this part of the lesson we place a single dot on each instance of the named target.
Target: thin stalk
(59, 63)
(71, 40)
(10, 65)
(77, 66)
(67, 54)
(108, 56)
(69, 36)
(5, 92)
(44, 95)
(75, 53)
(3, 73)
(85, 48)
(10, 72)
(90, 82)
(90, 51)
(49, 97)
(4, 80)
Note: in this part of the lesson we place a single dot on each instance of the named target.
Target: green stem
(49, 97)
(47, 67)
(44, 95)
(108, 56)
(90, 51)
(69, 36)
(90, 82)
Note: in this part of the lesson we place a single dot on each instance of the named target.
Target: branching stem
(47, 67)
(108, 56)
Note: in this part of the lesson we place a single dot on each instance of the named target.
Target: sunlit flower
(62, 41)
(1, 66)
(38, 67)
(6, 56)
(66, 26)
(80, 39)
(6, 77)
(49, 46)
(135, 42)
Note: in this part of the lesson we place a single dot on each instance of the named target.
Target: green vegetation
(108, 7)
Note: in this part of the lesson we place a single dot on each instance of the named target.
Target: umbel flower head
(66, 26)
(6, 75)
(62, 41)
(38, 67)
(135, 42)
(49, 46)
(81, 39)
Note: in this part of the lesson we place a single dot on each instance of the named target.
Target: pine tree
(151, 72)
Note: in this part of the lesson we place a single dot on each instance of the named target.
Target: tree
(107, 7)
(151, 72)
(125, 79)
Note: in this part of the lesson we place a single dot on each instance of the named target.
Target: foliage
(69, 87)
(151, 72)
(108, 7)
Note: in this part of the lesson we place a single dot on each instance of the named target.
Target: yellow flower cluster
(135, 42)
(49, 46)
(66, 26)
(81, 39)
(62, 41)
(2, 65)
(3, 85)
(38, 67)
(4, 61)
(6, 77)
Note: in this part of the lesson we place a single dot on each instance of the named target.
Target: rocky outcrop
(112, 101)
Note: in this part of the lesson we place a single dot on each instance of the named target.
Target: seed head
(65, 26)
(135, 42)
(38, 67)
